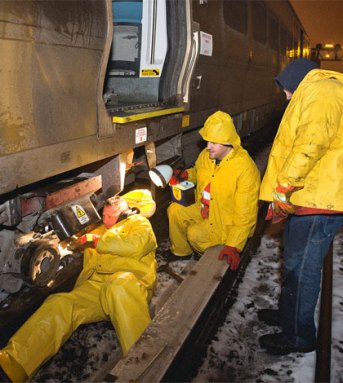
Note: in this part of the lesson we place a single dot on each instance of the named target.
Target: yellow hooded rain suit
(234, 194)
(115, 284)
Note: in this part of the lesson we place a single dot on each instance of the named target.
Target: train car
(89, 87)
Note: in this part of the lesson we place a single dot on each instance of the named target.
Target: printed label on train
(150, 73)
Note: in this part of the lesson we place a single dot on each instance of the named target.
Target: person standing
(304, 182)
(227, 183)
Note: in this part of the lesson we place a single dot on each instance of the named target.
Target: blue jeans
(306, 242)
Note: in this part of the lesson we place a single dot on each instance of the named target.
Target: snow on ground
(235, 355)
(337, 312)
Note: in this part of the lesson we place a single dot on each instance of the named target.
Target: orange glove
(273, 216)
(281, 202)
(232, 256)
(178, 176)
(91, 239)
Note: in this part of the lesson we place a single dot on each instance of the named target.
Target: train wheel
(44, 264)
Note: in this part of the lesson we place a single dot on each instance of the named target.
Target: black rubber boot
(269, 316)
(277, 344)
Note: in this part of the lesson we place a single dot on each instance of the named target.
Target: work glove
(281, 202)
(86, 239)
(273, 216)
(178, 176)
(232, 256)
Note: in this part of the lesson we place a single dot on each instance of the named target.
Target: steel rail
(323, 356)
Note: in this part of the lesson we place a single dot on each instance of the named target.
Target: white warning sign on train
(150, 72)
(80, 214)
(141, 135)
(206, 44)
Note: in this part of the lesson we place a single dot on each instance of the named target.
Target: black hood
(294, 73)
(125, 214)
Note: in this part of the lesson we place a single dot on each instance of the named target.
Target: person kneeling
(227, 184)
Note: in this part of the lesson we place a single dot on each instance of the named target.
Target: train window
(306, 46)
(259, 22)
(127, 27)
(126, 38)
(273, 33)
(283, 41)
(290, 46)
(236, 15)
(296, 48)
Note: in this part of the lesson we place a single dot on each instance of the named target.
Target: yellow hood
(220, 129)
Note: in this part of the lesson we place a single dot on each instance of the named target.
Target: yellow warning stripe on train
(140, 114)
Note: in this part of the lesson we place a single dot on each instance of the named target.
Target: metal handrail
(153, 33)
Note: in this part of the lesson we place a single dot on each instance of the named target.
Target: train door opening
(149, 48)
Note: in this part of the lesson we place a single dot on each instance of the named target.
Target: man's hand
(86, 239)
(178, 176)
(232, 257)
(281, 202)
(273, 216)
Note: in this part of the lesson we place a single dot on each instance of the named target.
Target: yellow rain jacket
(128, 246)
(308, 148)
(234, 195)
(116, 283)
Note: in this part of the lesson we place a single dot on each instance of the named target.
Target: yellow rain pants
(188, 231)
(120, 297)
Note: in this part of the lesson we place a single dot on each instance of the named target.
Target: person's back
(309, 144)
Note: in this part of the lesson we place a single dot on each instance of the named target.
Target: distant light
(328, 46)
(291, 53)
(306, 52)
